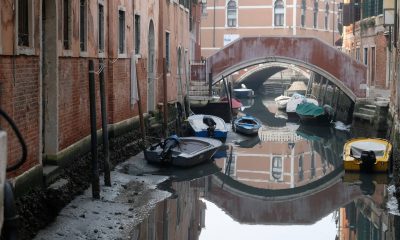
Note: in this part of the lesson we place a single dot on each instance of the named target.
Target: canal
(286, 183)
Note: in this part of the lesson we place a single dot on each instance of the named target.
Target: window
(279, 13)
(137, 34)
(101, 28)
(373, 66)
(231, 13)
(67, 24)
(83, 25)
(23, 23)
(358, 54)
(315, 14)
(326, 15)
(277, 168)
(303, 12)
(366, 56)
(167, 51)
(204, 8)
(372, 8)
(121, 35)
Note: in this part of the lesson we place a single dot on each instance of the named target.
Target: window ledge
(83, 54)
(25, 50)
(67, 53)
(138, 56)
(101, 55)
(122, 55)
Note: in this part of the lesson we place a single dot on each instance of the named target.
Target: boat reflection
(366, 217)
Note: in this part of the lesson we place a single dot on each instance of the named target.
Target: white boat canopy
(358, 147)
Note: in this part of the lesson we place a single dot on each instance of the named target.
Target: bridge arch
(310, 53)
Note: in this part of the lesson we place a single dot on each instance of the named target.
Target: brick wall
(380, 76)
(74, 114)
(19, 98)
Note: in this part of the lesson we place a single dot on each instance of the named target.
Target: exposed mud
(40, 207)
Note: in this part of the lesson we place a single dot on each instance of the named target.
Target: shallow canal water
(286, 183)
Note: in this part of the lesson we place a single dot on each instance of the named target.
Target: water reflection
(285, 183)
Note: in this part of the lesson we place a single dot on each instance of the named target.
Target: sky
(219, 225)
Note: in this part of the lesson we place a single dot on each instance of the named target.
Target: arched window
(303, 12)
(315, 13)
(279, 13)
(231, 13)
(326, 14)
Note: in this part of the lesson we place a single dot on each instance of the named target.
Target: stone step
(198, 83)
(202, 88)
(363, 116)
(369, 106)
(367, 111)
(198, 93)
(152, 120)
(51, 173)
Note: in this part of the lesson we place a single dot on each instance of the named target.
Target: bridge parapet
(310, 53)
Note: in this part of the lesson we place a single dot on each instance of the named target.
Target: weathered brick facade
(44, 83)
(19, 98)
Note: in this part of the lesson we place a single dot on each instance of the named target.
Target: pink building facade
(226, 20)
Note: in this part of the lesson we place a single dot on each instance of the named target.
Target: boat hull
(189, 152)
(354, 163)
(243, 93)
(321, 120)
(247, 125)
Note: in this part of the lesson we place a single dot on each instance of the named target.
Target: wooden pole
(165, 103)
(93, 133)
(104, 126)
(139, 102)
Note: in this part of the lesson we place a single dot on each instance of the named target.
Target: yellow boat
(367, 155)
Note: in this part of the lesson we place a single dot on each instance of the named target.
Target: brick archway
(311, 53)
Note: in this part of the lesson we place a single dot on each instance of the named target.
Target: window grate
(23, 26)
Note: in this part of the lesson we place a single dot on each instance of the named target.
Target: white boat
(282, 101)
(208, 126)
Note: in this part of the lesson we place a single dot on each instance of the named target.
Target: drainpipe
(395, 32)
(333, 23)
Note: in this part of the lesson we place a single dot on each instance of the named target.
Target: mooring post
(165, 102)
(93, 134)
(104, 126)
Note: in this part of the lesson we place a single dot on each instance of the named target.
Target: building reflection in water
(287, 178)
(283, 159)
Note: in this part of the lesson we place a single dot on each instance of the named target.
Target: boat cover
(197, 123)
(358, 147)
(309, 109)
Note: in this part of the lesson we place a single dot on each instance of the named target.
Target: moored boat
(294, 101)
(367, 155)
(208, 126)
(247, 125)
(282, 101)
(311, 114)
(182, 151)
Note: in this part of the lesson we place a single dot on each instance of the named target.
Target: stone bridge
(307, 52)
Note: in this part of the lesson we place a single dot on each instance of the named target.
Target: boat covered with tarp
(367, 155)
(312, 114)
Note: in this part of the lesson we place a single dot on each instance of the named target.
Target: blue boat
(247, 125)
(208, 126)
